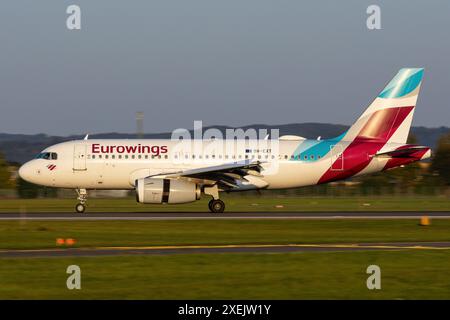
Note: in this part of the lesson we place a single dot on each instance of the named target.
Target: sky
(233, 62)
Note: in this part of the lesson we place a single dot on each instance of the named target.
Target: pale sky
(233, 62)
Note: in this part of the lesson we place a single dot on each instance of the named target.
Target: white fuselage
(116, 164)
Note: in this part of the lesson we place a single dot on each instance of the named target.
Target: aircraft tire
(80, 208)
(216, 206)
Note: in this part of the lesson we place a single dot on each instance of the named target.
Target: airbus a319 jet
(162, 172)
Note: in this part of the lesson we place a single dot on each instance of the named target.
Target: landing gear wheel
(209, 205)
(216, 206)
(82, 197)
(80, 208)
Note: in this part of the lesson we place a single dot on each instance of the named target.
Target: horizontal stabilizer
(407, 151)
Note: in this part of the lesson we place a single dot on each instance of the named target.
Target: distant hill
(22, 147)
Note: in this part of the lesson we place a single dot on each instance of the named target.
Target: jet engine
(153, 190)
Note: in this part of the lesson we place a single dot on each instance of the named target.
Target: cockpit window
(47, 155)
(43, 155)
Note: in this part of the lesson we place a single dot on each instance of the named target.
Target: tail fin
(389, 117)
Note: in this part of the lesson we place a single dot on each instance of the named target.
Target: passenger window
(93, 156)
(120, 156)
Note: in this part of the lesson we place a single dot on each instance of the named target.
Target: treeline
(420, 178)
(12, 185)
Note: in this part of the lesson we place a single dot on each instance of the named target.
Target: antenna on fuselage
(86, 137)
(319, 137)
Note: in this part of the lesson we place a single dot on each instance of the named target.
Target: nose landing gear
(82, 197)
(80, 208)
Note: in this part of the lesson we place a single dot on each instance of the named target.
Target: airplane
(161, 172)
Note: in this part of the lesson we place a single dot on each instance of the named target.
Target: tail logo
(387, 120)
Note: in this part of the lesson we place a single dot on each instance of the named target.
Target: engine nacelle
(153, 190)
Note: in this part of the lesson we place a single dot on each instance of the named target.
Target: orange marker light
(425, 221)
(70, 242)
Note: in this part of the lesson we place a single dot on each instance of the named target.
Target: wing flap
(228, 176)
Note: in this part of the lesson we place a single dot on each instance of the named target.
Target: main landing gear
(82, 197)
(215, 205)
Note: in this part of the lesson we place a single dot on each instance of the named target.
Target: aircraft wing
(403, 152)
(227, 176)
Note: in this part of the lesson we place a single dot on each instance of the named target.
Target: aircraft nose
(26, 172)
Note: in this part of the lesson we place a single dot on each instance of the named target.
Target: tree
(5, 174)
(441, 160)
(26, 190)
(408, 177)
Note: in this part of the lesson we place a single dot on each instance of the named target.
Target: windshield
(47, 155)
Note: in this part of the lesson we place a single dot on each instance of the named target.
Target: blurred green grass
(237, 203)
(43, 234)
(405, 274)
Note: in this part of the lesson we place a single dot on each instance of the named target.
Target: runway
(224, 216)
(238, 248)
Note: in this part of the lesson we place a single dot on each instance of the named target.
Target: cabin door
(79, 157)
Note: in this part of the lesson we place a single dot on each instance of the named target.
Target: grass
(405, 274)
(236, 203)
(42, 234)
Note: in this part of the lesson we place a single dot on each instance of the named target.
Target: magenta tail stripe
(380, 127)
